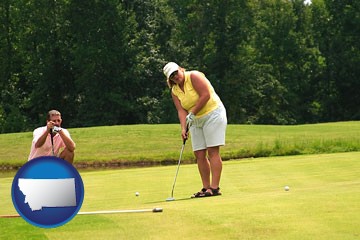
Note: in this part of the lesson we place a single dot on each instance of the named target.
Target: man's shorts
(209, 130)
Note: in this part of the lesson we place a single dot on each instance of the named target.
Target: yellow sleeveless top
(189, 96)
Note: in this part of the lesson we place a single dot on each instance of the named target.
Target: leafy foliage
(100, 62)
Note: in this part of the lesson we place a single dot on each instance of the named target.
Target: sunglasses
(172, 76)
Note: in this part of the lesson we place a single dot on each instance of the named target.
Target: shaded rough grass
(323, 202)
(146, 145)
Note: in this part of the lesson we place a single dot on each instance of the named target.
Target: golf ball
(137, 194)
(286, 188)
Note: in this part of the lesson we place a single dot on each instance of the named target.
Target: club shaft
(178, 166)
(177, 170)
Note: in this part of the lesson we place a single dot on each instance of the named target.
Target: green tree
(44, 70)
(281, 40)
(342, 51)
(101, 49)
(152, 49)
(100, 62)
(11, 85)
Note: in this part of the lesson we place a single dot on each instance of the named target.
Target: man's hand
(50, 125)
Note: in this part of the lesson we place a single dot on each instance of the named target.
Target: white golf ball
(286, 188)
(137, 194)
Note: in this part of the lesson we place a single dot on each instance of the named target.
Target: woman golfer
(200, 108)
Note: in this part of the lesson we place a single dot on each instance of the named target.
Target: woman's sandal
(199, 194)
(212, 192)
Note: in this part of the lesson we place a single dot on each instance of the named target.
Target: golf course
(318, 162)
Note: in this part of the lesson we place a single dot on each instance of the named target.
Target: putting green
(323, 202)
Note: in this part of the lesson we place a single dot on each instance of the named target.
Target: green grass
(323, 202)
(155, 144)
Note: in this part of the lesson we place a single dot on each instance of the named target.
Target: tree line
(100, 61)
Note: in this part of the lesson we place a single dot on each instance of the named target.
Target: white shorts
(209, 130)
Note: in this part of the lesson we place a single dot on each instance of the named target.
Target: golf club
(177, 169)
(154, 210)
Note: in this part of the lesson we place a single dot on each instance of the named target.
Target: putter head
(169, 199)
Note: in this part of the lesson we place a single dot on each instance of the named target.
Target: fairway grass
(159, 144)
(323, 202)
